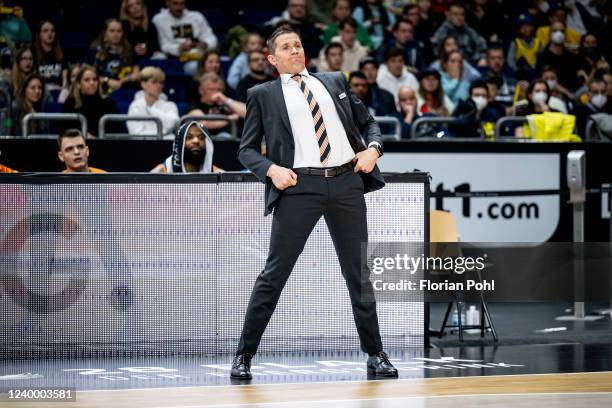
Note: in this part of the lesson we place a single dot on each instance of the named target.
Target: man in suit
(317, 165)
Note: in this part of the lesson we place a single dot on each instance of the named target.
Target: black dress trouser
(340, 200)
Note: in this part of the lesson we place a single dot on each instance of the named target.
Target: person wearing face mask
(590, 58)
(558, 13)
(560, 97)
(407, 101)
(476, 116)
(555, 54)
(598, 99)
(538, 100)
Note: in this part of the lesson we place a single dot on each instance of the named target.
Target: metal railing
(433, 119)
(390, 120)
(127, 118)
(225, 118)
(52, 117)
(506, 119)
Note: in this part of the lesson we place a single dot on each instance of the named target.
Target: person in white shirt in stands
(184, 34)
(393, 73)
(152, 102)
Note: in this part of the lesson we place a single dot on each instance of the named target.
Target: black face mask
(590, 51)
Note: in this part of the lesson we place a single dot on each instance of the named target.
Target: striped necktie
(317, 119)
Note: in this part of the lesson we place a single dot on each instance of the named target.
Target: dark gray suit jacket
(267, 118)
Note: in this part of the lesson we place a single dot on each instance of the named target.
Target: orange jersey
(91, 170)
(4, 169)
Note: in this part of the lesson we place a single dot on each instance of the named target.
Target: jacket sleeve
(167, 43)
(249, 152)
(206, 33)
(365, 122)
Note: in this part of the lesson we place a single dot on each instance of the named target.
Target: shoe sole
(372, 371)
(250, 377)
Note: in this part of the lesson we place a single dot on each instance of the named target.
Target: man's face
(483, 92)
(74, 153)
(342, 10)
(195, 143)
(370, 71)
(334, 58)
(597, 88)
(348, 35)
(456, 15)
(413, 15)
(404, 33)
(405, 97)
(297, 9)
(359, 87)
(288, 57)
(257, 62)
(176, 7)
(153, 87)
(495, 60)
(208, 89)
(396, 65)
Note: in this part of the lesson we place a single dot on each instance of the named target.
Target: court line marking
(398, 399)
(342, 382)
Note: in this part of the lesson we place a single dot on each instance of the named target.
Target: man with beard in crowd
(192, 152)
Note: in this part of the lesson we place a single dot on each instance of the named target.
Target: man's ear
(60, 156)
(272, 60)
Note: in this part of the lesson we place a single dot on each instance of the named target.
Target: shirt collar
(286, 78)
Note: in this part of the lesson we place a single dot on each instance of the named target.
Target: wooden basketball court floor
(541, 390)
(555, 375)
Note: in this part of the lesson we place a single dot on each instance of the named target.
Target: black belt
(325, 171)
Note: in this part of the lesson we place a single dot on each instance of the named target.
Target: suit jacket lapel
(334, 96)
(277, 95)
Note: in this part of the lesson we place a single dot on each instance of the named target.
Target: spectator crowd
(472, 61)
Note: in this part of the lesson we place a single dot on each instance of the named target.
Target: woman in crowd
(49, 56)
(23, 65)
(66, 91)
(29, 99)
(152, 102)
(211, 63)
(538, 99)
(430, 97)
(455, 87)
(87, 100)
(447, 45)
(138, 30)
(113, 58)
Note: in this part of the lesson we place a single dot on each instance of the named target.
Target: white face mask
(599, 100)
(544, 7)
(539, 97)
(551, 83)
(558, 37)
(480, 101)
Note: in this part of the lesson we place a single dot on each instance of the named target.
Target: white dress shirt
(302, 126)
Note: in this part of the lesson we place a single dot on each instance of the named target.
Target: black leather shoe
(380, 366)
(241, 367)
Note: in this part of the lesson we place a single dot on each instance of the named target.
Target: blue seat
(176, 87)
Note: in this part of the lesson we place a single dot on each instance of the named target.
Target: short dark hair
(595, 80)
(68, 133)
(332, 45)
(478, 83)
(457, 4)
(394, 52)
(357, 74)
(283, 29)
(400, 21)
(350, 21)
(496, 47)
